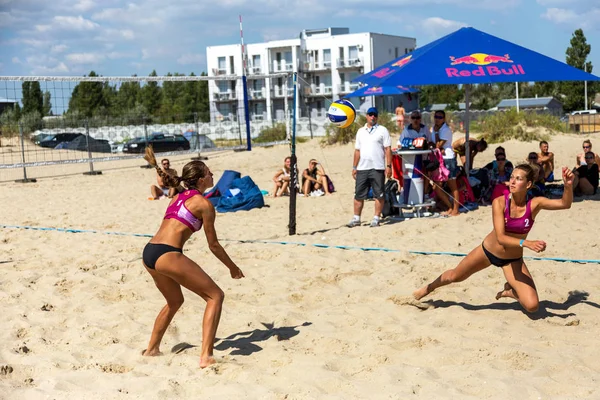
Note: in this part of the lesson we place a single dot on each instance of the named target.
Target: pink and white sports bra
(179, 211)
(520, 225)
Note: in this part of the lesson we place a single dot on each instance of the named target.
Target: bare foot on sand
(151, 353)
(419, 294)
(206, 361)
(450, 213)
(507, 292)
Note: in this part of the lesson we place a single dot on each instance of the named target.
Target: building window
(396, 53)
(222, 66)
(327, 58)
(256, 63)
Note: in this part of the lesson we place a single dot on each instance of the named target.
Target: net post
(87, 140)
(25, 178)
(198, 144)
(294, 164)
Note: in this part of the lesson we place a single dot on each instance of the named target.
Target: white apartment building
(327, 60)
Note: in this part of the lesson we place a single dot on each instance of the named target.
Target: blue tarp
(247, 194)
(248, 198)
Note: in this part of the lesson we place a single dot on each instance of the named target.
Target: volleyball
(341, 113)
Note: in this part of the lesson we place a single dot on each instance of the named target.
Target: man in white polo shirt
(372, 164)
(442, 134)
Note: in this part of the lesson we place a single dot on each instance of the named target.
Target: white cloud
(84, 5)
(189, 58)
(84, 58)
(436, 27)
(588, 19)
(59, 68)
(58, 48)
(74, 23)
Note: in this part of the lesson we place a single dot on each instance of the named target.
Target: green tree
(436, 94)
(87, 98)
(47, 104)
(151, 96)
(33, 99)
(128, 98)
(577, 54)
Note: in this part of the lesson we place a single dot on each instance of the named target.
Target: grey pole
(198, 144)
(25, 179)
(87, 141)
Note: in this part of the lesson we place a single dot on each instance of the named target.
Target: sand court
(306, 322)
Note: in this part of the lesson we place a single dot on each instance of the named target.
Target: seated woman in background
(586, 177)
(587, 148)
(315, 179)
(475, 147)
(282, 179)
(539, 183)
(499, 174)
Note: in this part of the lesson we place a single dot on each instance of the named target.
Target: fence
(54, 147)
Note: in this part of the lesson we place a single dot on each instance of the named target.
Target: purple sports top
(521, 225)
(179, 211)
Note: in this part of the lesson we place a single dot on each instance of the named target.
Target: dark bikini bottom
(497, 261)
(153, 251)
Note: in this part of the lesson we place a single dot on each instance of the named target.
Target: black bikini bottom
(153, 251)
(497, 261)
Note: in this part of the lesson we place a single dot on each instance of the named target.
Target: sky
(122, 38)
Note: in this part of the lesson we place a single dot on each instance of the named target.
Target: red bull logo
(484, 69)
(402, 62)
(383, 72)
(373, 90)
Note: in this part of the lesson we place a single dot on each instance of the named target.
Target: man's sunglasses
(587, 147)
(416, 117)
(501, 157)
(372, 114)
(589, 158)
(438, 117)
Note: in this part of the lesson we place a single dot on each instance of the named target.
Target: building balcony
(224, 96)
(281, 67)
(256, 94)
(350, 63)
(315, 66)
(348, 87)
(314, 90)
(279, 92)
(254, 70)
(217, 71)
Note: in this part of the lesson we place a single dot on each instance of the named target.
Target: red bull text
(484, 69)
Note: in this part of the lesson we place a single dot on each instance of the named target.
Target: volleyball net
(52, 125)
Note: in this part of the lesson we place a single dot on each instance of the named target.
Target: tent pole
(467, 153)
(517, 93)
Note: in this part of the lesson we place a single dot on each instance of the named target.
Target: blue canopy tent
(470, 56)
(381, 91)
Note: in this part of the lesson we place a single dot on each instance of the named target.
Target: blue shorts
(550, 177)
(452, 167)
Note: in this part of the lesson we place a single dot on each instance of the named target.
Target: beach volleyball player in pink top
(163, 256)
(513, 217)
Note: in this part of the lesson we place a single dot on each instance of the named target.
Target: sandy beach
(307, 322)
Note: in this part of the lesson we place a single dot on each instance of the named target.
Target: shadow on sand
(575, 297)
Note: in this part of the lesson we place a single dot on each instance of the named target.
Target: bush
(276, 133)
(335, 135)
(503, 126)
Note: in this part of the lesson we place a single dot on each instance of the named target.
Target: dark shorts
(153, 251)
(452, 167)
(371, 178)
(497, 261)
